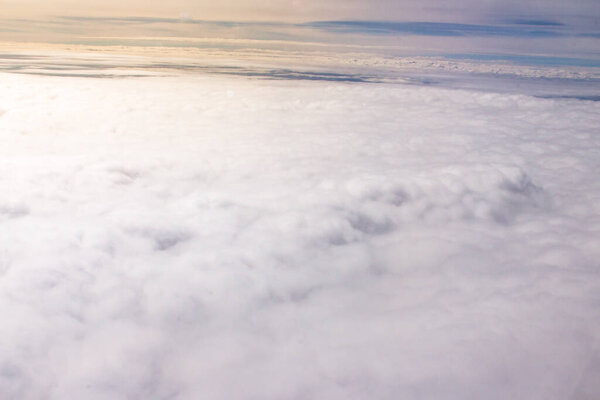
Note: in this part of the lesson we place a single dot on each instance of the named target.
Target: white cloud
(193, 236)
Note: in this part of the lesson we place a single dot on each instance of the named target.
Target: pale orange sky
(208, 9)
(310, 10)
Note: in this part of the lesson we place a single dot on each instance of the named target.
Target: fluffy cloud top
(198, 237)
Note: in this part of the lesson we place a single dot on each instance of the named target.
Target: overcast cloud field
(192, 237)
(335, 209)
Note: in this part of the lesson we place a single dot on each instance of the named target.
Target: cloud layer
(224, 238)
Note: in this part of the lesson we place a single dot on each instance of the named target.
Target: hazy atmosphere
(296, 200)
(295, 10)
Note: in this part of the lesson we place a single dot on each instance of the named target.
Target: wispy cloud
(436, 28)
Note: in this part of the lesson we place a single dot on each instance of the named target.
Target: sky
(307, 10)
(542, 28)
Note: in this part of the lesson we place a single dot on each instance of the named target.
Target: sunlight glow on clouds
(401, 207)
